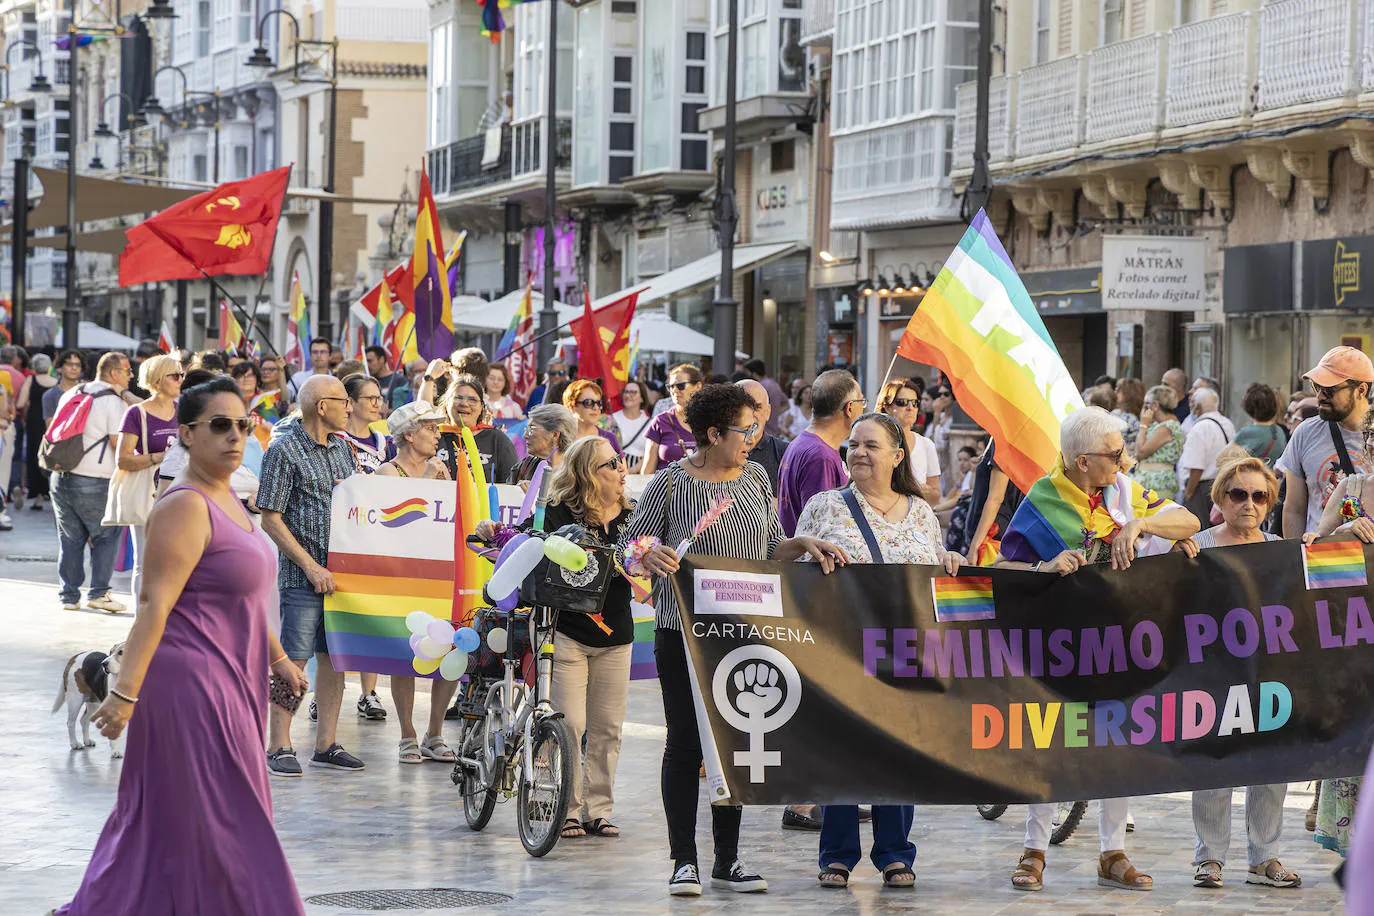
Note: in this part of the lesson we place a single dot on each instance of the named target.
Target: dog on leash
(85, 684)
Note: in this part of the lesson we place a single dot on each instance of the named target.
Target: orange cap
(1342, 364)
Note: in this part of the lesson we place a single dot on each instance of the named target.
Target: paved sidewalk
(396, 826)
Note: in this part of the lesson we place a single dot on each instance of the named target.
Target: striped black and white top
(748, 530)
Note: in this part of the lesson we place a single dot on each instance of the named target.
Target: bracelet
(127, 699)
(277, 661)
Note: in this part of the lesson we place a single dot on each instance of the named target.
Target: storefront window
(1260, 350)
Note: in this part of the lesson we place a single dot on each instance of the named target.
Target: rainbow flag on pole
(429, 280)
(979, 326)
(1334, 564)
(962, 598)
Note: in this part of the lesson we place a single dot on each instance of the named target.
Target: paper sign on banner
(745, 594)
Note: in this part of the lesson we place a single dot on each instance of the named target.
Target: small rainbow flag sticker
(404, 513)
(962, 598)
(1334, 564)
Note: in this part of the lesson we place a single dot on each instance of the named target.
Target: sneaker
(71, 605)
(106, 603)
(735, 878)
(36, 505)
(18, 499)
(685, 881)
(283, 762)
(371, 708)
(336, 758)
(6, 523)
(1130, 823)
(314, 711)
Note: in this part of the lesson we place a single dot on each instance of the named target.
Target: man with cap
(1330, 446)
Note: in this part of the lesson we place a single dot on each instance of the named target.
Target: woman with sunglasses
(587, 402)
(192, 825)
(147, 430)
(591, 653)
(1244, 490)
(465, 405)
(669, 436)
(901, 401)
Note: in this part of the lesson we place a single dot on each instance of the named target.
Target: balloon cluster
(635, 552)
(438, 646)
(518, 558)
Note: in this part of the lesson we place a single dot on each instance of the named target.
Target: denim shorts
(302, 623)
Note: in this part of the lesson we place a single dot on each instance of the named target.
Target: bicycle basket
(584, 592)
(486, 663)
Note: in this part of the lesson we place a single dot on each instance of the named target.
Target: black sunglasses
(589, 403)
(681, 386)
(560, 373)
(615, 463)
(903, 402)
(221, 425)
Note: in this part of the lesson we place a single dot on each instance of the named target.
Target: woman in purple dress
(191, 830)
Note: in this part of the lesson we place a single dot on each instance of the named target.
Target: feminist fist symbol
(759, 693)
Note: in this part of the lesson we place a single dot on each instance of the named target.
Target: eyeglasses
(345, 400)
(1114, 456)
(269, 369)
(1258, 497)
(746, 433)
(589, 403)
(429, 426)
(220, 426)
(466, 399)
(614, 464)
(863, 401)
(373, 399)
(903, 402)
(680, 386)
(558, 373)
(176, 375)
(1332, 391)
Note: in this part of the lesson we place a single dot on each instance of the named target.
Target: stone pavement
(396, 826)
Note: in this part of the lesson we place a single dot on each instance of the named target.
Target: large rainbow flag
(979, 326)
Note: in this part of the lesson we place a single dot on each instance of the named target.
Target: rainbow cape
(979, 326)
(1056, 516)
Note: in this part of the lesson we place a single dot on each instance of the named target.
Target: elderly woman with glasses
(551, 429)
(1244, 491)
(587, 402)
(1087, 511)
(464, 404)
(881, 517)
(147, 430)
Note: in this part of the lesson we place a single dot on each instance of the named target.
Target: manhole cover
(433, 897)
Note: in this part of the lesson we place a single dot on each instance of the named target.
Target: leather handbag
(582, 592)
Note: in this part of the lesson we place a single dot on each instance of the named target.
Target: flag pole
(243, 313)
(890, 366)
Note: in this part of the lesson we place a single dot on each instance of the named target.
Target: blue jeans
(79, 504)
(891, 829)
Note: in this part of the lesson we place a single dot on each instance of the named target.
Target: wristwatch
(1035, 567)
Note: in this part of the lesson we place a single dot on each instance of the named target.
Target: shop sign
(777, 210)
(1160, 273)
(1077, 291)
(1335, 273)
(1257, 278)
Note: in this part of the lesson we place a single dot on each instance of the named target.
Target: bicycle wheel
(543, 803)
(1069, 824)
(992, 812)
(478, 803)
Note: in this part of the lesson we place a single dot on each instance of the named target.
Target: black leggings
(682, 761)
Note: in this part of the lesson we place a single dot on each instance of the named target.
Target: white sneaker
(6, 523)
(71, 605)
(106, 603)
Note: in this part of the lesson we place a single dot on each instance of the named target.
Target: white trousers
(1111, 824)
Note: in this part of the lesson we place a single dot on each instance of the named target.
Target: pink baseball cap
(1342, 364)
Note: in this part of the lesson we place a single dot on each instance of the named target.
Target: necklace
(881, 511)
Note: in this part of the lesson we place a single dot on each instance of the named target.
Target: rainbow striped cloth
(962, 598)
(979, 326)
(1334, 564)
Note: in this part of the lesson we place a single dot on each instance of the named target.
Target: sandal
(1030, 870)
(834, 876)
(601, 827)
(1272, 874)
(572, 829)
(1207, 874)
(1115, 870)
(410, 751)
(434, 748)
(899, 875)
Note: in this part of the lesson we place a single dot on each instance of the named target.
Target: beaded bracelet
(127, 699)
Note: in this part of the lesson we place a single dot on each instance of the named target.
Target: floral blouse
(915, 539)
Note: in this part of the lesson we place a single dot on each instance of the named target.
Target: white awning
(92, 336)
(660, 334)
(479, 316)
(701, 273)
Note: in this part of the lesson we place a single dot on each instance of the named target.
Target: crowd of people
(246, 453)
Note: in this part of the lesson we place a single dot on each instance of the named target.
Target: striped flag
(962, 598)
(297, 327)
(521, 363)
(1334, 564)
(979, 326)
(429, 278)
(165, 343)
(230, 331)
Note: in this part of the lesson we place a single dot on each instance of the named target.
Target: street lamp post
(260, 59)
(980, 183)
(548, 315)
(102, 129)
(726, 306)
(153, 107)
(19, 229)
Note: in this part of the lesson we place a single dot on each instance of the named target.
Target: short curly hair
(716, 407)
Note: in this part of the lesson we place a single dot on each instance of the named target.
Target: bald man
(1177, 379)
(767, 449)
(299, 473)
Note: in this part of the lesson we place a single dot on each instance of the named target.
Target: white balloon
(440, 630)
(431, 648)
(518, 565)
(498, 639)
(417, 621)
(453, 665)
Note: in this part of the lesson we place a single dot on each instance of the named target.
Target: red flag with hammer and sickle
(227, 230)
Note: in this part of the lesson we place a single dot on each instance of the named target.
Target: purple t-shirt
(673, 439)
(611, 438)
(809, 466)
(160, 432)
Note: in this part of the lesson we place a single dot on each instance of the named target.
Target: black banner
(1175, 674)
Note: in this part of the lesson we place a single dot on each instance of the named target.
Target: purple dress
(191, 830)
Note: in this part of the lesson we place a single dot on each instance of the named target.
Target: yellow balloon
(425, 665)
